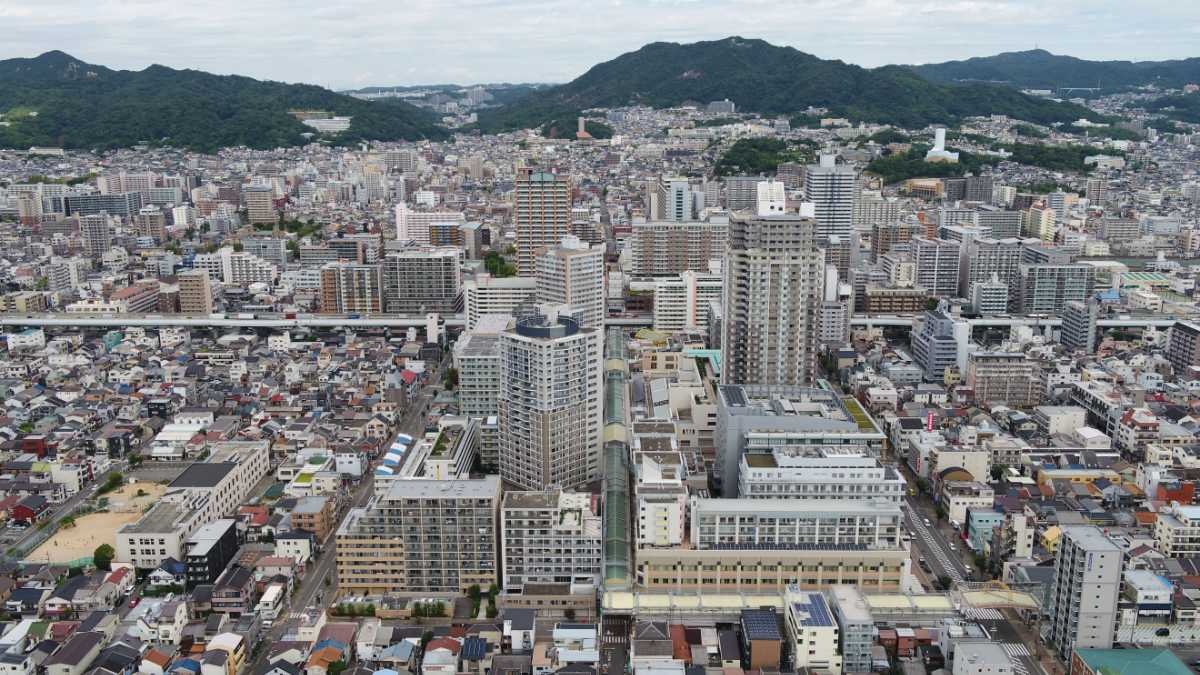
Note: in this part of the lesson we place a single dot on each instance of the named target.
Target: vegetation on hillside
(900, 166)
(563, 128)
(764, 78)
(1185, 108)
(80, 105)
(759, 156)
(1039, 69)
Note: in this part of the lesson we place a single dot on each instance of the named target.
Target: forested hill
(58, 100)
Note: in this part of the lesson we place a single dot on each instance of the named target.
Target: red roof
(444, 643)
(408, 376)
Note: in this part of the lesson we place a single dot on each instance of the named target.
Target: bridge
(260, 320)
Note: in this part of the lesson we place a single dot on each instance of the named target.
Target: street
(322, 568)
(932, 544)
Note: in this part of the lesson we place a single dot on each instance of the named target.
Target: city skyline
(522, 42)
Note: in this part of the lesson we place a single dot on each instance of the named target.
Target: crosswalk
(1016, 651)
(983, 614)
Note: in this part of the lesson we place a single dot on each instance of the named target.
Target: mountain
(57, 100)
(1039, 69)
(764, 78)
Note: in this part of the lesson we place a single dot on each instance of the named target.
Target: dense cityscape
(687, 389)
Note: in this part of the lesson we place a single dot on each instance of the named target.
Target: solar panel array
(759, 624)
(815, 612)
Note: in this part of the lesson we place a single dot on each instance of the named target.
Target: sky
(353, 43)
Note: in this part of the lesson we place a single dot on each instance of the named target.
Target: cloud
(356, 42)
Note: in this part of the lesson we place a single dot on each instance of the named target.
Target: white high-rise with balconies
(572, 274)
(551, 403)
(832, 188)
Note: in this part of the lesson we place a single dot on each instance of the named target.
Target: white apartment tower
(551, 405)
(572, 274)
(1085, 590)
(833, 189)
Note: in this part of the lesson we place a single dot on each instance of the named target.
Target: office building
(832, 189)
(260, 204)
(818, 473)
(195, 292)
(661, 248)
(96, 235)
(937, 262)
(774, 277)
(485, 294)
(550, 406)
(420, 226)
(797, 420)
(350, 288)
(541, 215)
(1046, 289)
(124, 205)
(422, 280)
(421, 536)
(572, 274)
(1086, 587)
(1006, 378)
(816, 636)
(740, 545)
(888, 235)
(681, 303)
(941, 344)
(1079, 329)
(270, 249)
(550, 537)
(1183, 347)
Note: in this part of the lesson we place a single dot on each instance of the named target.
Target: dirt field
(124, 506)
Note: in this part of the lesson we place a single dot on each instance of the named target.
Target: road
(313, 590)
(932, 544)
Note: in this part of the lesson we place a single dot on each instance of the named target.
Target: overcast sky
(350, 43)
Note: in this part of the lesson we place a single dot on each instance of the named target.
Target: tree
(336, 667)
(450, 381)
(425, 638)
(944, 582)
(66, 523)
(998, 471)
(102, 557)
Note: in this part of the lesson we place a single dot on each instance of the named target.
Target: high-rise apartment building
(937, 262)
(774, 276)
(1183, 346)
(550, 407)
(673, 200)
(832, 188)
(350, 288)
(422, 280)
(985, 259)
(1046, 289)
(941, 343)
(875, 208)
(421, 536)
(1085, 590)
(1005, 378)
(741, 193)
(485, 294)
(1096, 191)
(887, 235)
(550, 537)
(269, 249)
(195, 292)
(419, 226)
(237, 268)
(124, 205)
(572, 274)
(681, 303)
(96, 234)
(260, 204)
(818, 473)
(998, 223)
(1079, 325)
(664, 249)
(541, 215)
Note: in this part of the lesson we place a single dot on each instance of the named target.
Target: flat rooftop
(203, 475)
(483, 488)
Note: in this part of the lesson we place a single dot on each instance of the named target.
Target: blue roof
(814, 612)
(474, 648)
(760, 624)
